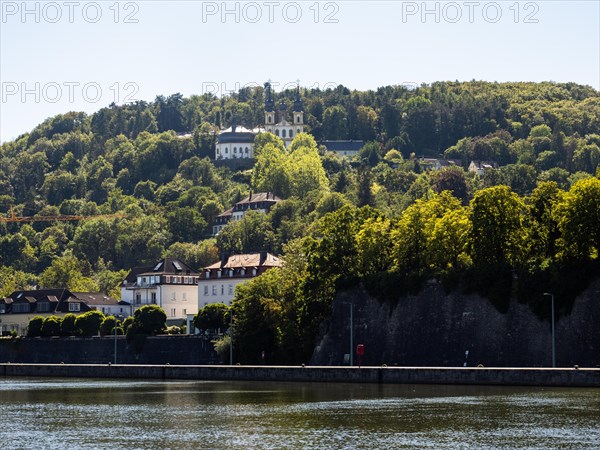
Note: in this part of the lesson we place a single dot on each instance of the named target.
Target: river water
(116, 414)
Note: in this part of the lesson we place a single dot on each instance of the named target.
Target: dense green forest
(380, 220)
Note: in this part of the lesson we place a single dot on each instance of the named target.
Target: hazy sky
(77, 55)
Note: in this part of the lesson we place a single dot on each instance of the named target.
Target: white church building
(238, 142)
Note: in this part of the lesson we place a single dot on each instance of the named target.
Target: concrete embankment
(390, 375)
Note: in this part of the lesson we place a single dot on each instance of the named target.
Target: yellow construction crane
(14, 218)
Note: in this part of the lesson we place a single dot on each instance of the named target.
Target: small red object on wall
(360, 351)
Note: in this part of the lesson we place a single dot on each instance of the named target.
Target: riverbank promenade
(568, 377)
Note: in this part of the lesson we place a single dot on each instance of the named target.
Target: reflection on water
(59, 414)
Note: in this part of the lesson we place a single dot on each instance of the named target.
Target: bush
(174, 330)
(212, 317)
(223, 347)
(88, 324)
(107, 326)
(127, 323)
(50, 327)
(35, 326)
(148, 320)
(67, 326)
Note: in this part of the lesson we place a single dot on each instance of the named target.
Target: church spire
(298, 106)
(269, 102)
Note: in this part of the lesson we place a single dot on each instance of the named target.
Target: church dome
(236, 134)
(298, 106)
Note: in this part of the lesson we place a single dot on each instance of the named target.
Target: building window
(43, 307)
(214, 289)
(222, 289)
(297, 119)
(173, 312)
(234, 149)
(20, 307)
(205, 290)
(291, 133)
(298, 131)
(230, 289)
(226, 149)
(283, 133)
(269, 119)
(247, 151)
(184, 296)
(184, 312)
(138, 298)
(277, 133)
(174, 296)
(168, 278)
(74, 307)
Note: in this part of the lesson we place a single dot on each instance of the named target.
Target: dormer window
(254, 272)
(74, 307)
(218, 274)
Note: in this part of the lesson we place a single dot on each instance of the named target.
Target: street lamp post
(230, 338)
(115, 332)
(351, 332)
(546, 294)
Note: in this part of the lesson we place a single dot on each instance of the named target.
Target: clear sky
(78, 55)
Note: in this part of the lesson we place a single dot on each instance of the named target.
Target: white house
(480, 167)
(170, 284)
(343, 148)
(218, 281)
(105, 304)
(261, 202)
(17, 310)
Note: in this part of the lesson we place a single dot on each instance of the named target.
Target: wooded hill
(133, 159)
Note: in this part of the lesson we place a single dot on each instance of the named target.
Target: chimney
(263, 257)
(250, 198)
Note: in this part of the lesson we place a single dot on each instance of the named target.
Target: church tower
(298, 113)
(282, 113)
(281, 125)
(269, 109)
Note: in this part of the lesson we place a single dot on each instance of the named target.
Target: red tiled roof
(247, 260)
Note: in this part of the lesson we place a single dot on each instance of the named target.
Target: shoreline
(493, 376)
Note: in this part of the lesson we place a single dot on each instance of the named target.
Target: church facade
(278, 124)
(238, 142)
